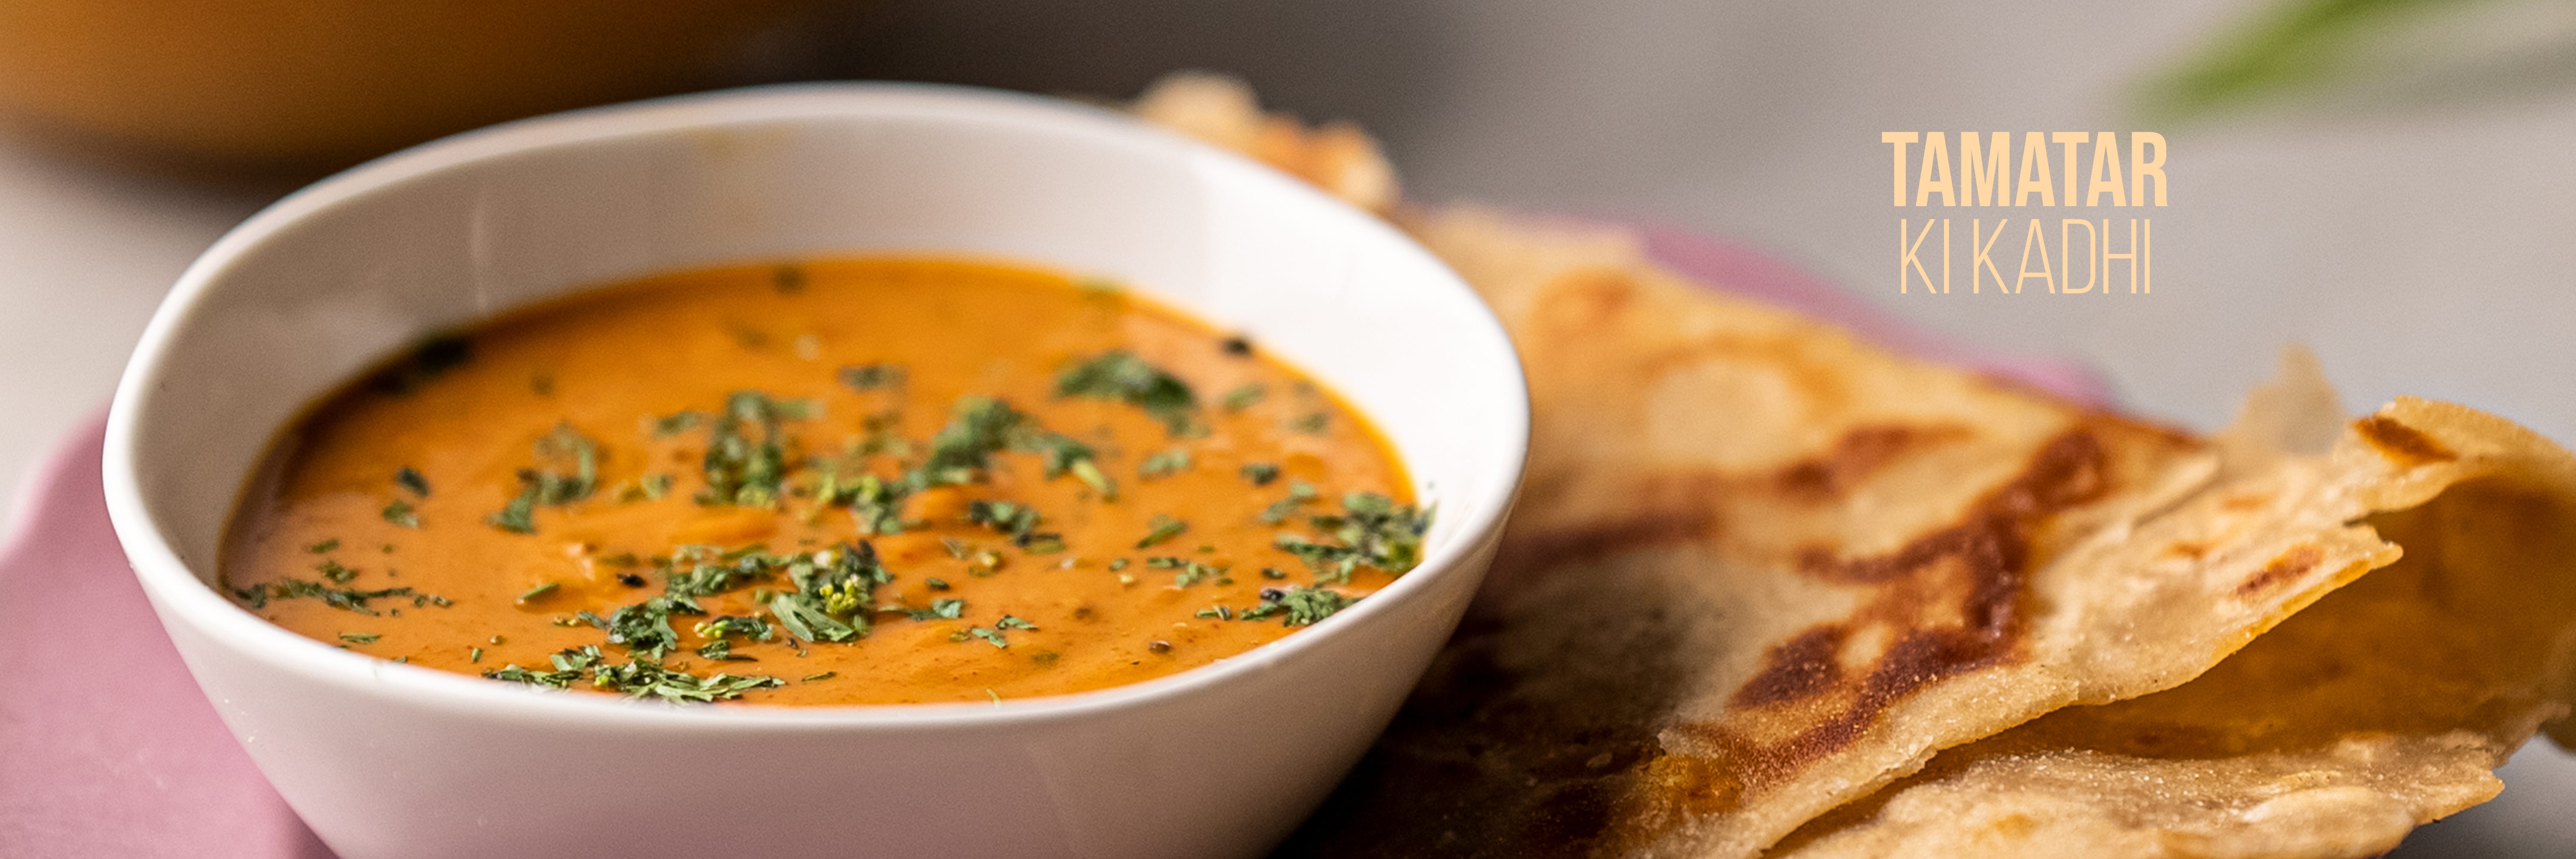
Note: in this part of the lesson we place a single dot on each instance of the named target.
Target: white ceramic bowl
(384, 759)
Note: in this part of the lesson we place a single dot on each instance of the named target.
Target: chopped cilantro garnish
(993, 635)
(949, 609)
(359, 637)
(1162, 528)
(324, 546)
(671, 425)
(640, 678)
(539, 592)
(1311, 423)
(401, 513)
(1373, 530)
(340, 598)
(869, 377)
(1298, 606)
(332, 570)
(1089, 473)
(549, 484)
(831, 594)
(1244, 397)
(742, 470)
(877, 505)
(982, 426)
(1191, 572)
(978, 427)
(805, 619)
(410, 478)
(1120, 375)
(1260, 473)
(650, 487)
(645, 627)
(936, 584)
(1018, 520)
(1164, 464)
(519, 516)
(1299, 492)
(733, 624)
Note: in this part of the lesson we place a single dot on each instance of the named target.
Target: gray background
(2419, 244)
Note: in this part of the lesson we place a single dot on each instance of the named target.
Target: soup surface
(836, 482)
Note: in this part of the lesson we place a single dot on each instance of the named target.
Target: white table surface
(2420, 251)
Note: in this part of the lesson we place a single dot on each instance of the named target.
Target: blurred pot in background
(286, 87)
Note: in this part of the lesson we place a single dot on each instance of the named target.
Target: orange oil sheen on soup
(833, 482)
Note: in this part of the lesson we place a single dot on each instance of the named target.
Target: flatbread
(1763, 573)
(2385, 705)
(1762, 570)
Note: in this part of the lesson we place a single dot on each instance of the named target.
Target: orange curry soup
(836, 482)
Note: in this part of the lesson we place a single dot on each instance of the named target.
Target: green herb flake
(638, 678)
(940, 609)
(517, 517)
(936, 584)
(322, 547)
(1311, 423)
(1260, 473)
(870, 377)
(1298, 606)
(1299, 492)
(1018, 520)
(1089, 473)
(359, 637)
(650, 487)
(1120, 375)
(1244, 397)
(817, 678)
(344, 599)
(567, 471)
(538, 592)
(473, 654)
(675, 424)
(746, 458)
(1191, 572)
(1161, 529)
(1164, 464)
(1372, 530)
(410, 478)
(400, 512)
(332, 570)
(833, 589)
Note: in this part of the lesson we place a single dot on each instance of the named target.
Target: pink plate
(106, 746)
(108, 749)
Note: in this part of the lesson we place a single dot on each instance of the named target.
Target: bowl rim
(179, 595)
